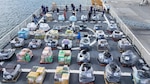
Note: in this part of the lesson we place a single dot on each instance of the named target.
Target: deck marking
(77, 72)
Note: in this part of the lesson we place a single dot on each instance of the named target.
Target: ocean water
(13, 12)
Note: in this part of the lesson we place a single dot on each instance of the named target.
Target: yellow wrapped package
(40, 70)
(65, 78)
(33, 75)
(59, 69)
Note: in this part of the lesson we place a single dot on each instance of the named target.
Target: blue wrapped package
(23, 33)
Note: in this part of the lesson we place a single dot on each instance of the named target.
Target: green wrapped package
(61, 56)
(27, 57)
(61, 59)
(61, 53)
(46, 60)
(67, 59)
(50, 59)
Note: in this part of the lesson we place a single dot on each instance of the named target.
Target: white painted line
(77, 72)
(99, 72)
(126, 74)
(74, 71)
(50, 70)
(25, 70)
(76, 48)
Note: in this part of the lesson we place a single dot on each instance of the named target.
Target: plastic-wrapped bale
(61, 18)
(24, 33)
(112, 26)
(49, 17)
(61, 56)
(100, 34)
(97, 27)
(47, 55)
(52, 43)
(17, 42)
(44, 26)
(117, 35)
(84, 17)
(57, 27)
(72, 18)
(24, 55)
(32, 26)
(141, 76)
(95, 17)
(86, 73)
(11, 72)
(85, 43)
(39, 34)
(69, 34)
(112, 73)
(54, 34)
(102, 45)
(36, 75)
(6, 53)
(124, 45)
(82, 27)
(128, 58)
(35, 43)
(105, 57)
(83, 57)
(62, 75)
(66, 44)
(64, 57)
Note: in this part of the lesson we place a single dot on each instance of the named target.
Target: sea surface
(13, 12)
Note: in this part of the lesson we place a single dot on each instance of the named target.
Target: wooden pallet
(103, 64)
(46, 62)
(10, 81)
(87, 83)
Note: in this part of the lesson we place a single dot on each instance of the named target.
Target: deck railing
(143, 51)
(11, 34)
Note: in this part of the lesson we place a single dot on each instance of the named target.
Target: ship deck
(74, 67)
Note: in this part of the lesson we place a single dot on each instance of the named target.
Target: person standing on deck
(46, 9)
(43, 8)
(89, 15)
(78, 37)
(57, 11)
(80, 7)
(65, 14)
(91, 9)
(35, 19)
(103, 13)
(94, 11)
(66, 8)
(73, 7)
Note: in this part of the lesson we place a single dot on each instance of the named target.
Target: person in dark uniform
(80, 6)
(35, 18)
(89, 15)
(57, 11)
(46, 9)
(91, 9)
(73, 7)
(66, 8)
